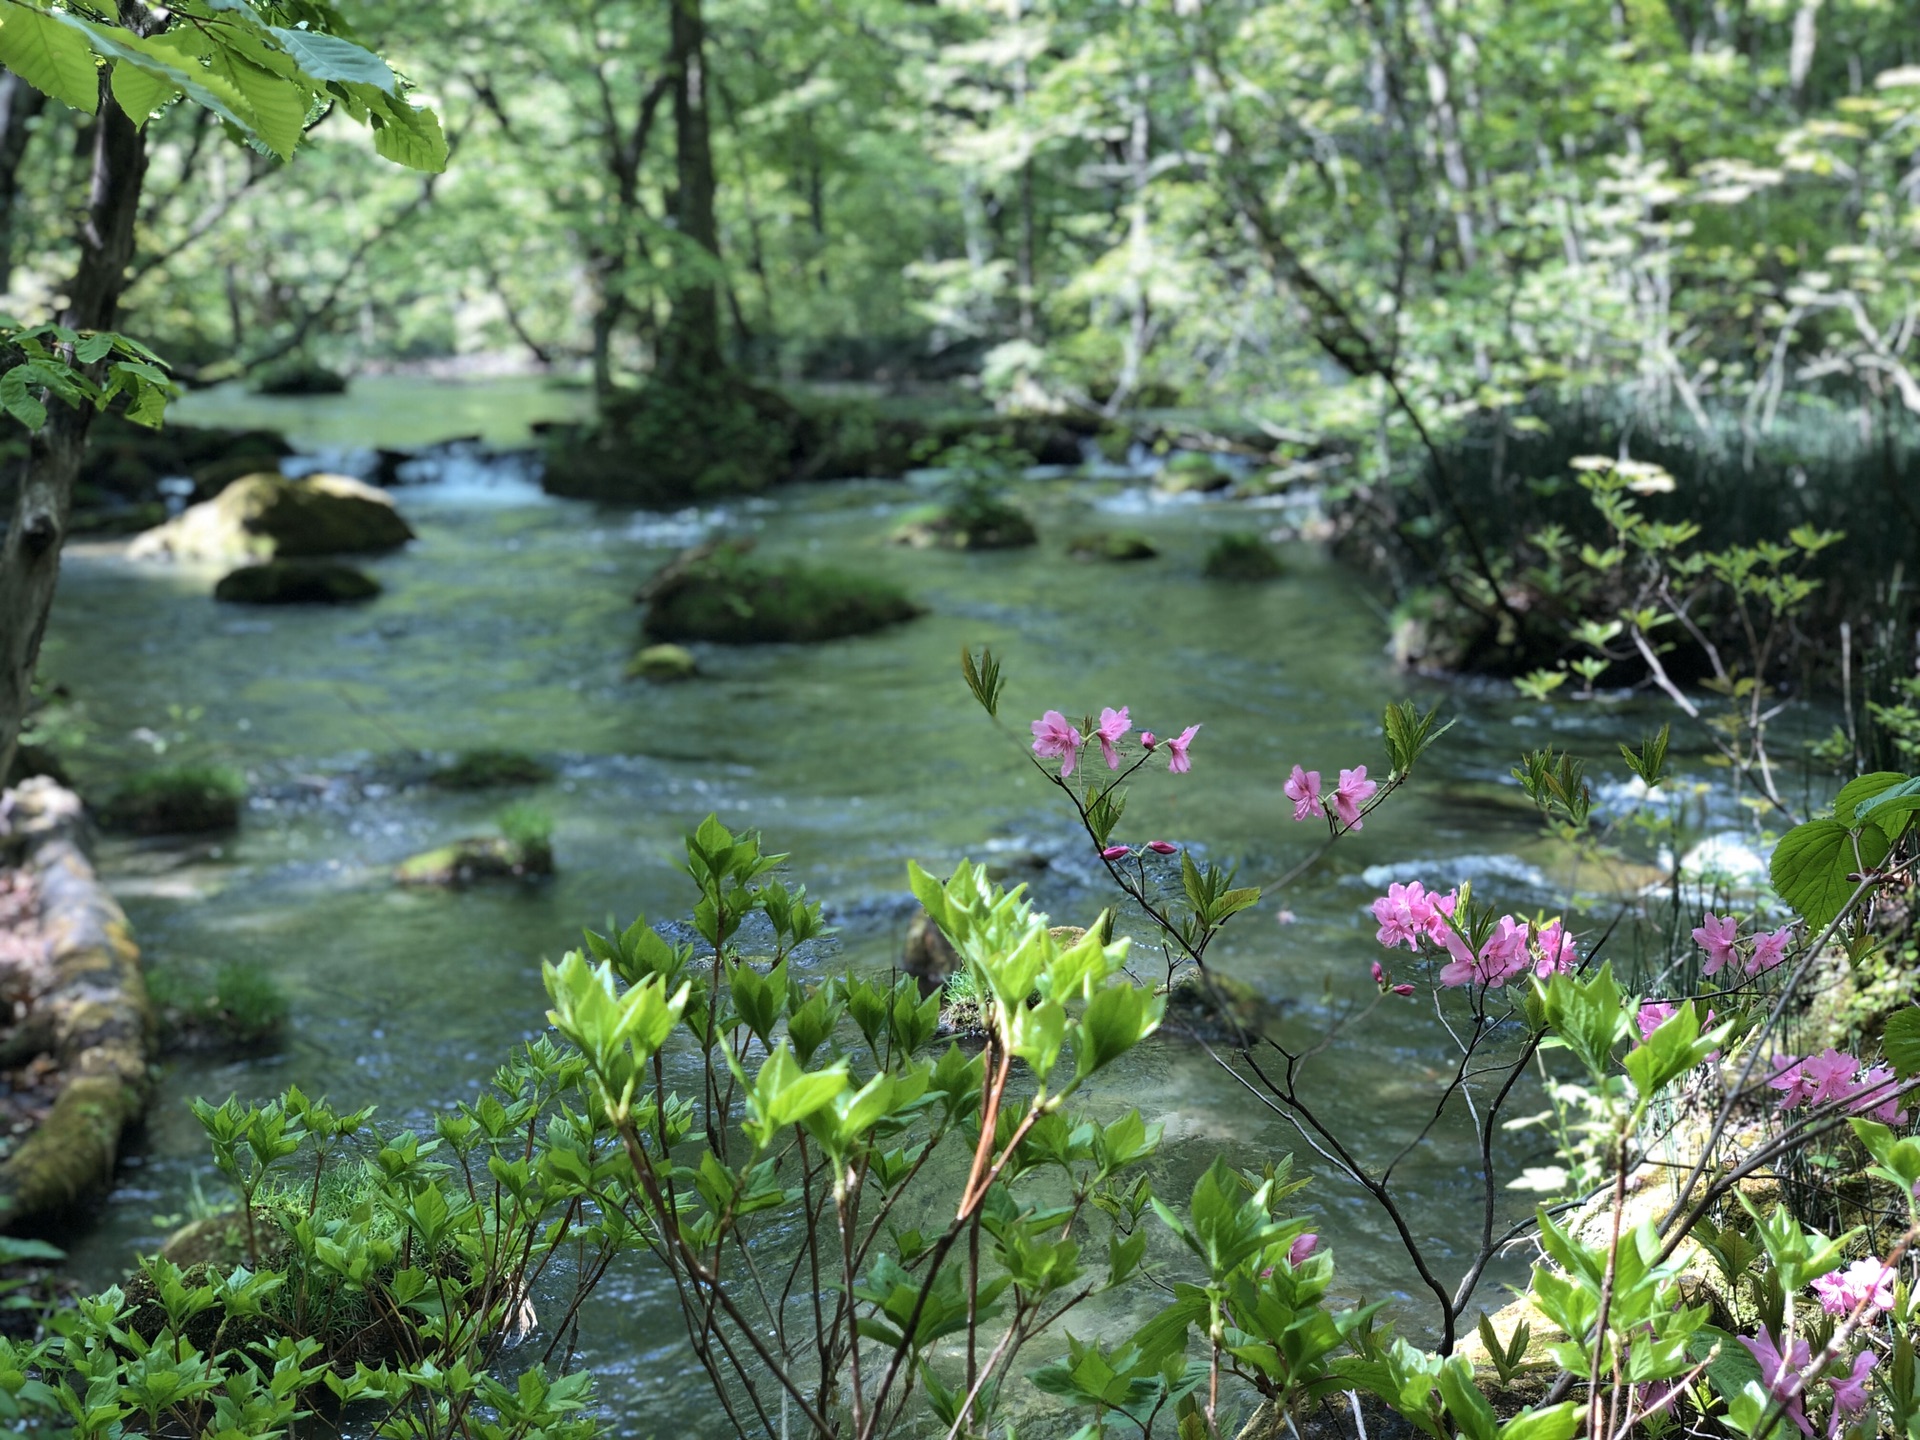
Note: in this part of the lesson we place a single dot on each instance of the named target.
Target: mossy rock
(976, 525)
(868, 439)
(296, 582)
(720, 593)
(1111, 545)
(679, 441)
(1241, 558)
(242, 1012)
(1190, 474)
(662, 664)
(298, 375)
(127, 460)
(474, 860)
(267, 517)
(178, 800)
(490, 770)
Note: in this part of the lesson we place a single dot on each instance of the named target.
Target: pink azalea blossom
(1286, 917)
(1177, 762)
(1783, 1375)
(1115, 852)
(1716, 936)
(1504, 955)
(1302, 1247)
(1652, 1016)
(1791, 1079)
(1113, 728)
(1877, 1096)
(1161, 847)
(1769, 950)
(1053, 736)
(1867, 1283)
(1830, 1075)
(1850, 1391)
(1354, 791)
(1303, 788)
(1465, 967)
(1555, 950)
(1405, 915)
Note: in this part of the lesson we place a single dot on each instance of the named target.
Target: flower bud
(1403, 990)
(1147, 739)
(1115, 852)
(1379, 973)
(1161, 847)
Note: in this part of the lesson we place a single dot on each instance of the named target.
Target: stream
(509, 622)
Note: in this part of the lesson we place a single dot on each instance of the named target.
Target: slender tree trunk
(19, 104)
(691, 344)
(30, 556)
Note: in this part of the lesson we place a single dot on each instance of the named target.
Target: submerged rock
(490, 769)
(1244, 558)
(296, 582)
(178, 800)
(265, 517)
(472, 860)
(662, 664)
(717, 592)
(969, 525)
(298, 375)
(1111, 545)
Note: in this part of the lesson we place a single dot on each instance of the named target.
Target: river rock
(976, 524)
(472, 860)
(296, 582)
(178, 800)
(662, 664)
(1111, 545)
(1244, 558)
(266, 517)
(718, 592)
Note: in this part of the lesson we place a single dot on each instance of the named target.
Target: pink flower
(1790, 1078)
(1354, 791)
(1866, 1283)
(1465, 969)
(1161, 847)
(1112, 728)
(1716, 936)
(1177, 763)
(1850, 1391)
(1405, 914)
(1504, 955)
(1652, 1016)
(1769, 950)
(1301, 1248)
(1877, 1096)
(1555, 949)
(1783, 1375)
(1115, 852)
(1053, 736)
(1830, 1075)
(1303, 788)
(1403, 990)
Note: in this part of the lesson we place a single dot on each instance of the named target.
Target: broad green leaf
(18, 401)
(279, 106)
(328, 57)
(1855, 792)
(139, 92)
(166, 62)
(1901, 1042)
(93, 348)
(49, 56)
(409, 136)
(1892, 809)
(1811, 864)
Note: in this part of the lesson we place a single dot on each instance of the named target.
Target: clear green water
(508, 624)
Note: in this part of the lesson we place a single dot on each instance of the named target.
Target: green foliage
(178, 798)
(243, 1008)
(490, 769)
(727, 597)
(39, 363)
(1242, 557)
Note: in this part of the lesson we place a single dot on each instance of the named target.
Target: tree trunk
(30, 556)
(19, 104)
(691, 344)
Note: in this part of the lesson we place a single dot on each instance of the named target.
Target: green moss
(296, 582)
(529, 831)
(723, 595)
(523, 850)
(1111, 545)
(489, 770)
(662, 664)
(178, 799)
(1241, 557)
(242, 1010)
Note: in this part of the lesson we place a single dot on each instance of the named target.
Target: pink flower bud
(1403, 990)
(1379, 973)
(1161, 847)
(1146, 739)
(1302, 1248)
(1115, 852)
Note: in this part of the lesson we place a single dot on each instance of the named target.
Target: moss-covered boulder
(299, 375)
(1191, 474)
(1111, 545)
(721, 593)
(981, 523)
(241, 1010)
(178, 800)
(1243, 558)
(266, 517)
(682, 440)
(472, 861)
(662, 664)
(490, 770)
(296, 582)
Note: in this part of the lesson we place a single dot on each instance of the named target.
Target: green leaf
(42, 51)
(409, 136)
(1812, 862)
(94, 348)
(328, 57)
(1901, 1042)
(18, 401)
(1852, 794)
(140, 93)
(164, 62)
(279, 106)
(1892, 809)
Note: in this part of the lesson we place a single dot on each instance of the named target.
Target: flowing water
(508, 623)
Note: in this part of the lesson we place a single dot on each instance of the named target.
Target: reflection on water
(508, 624)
